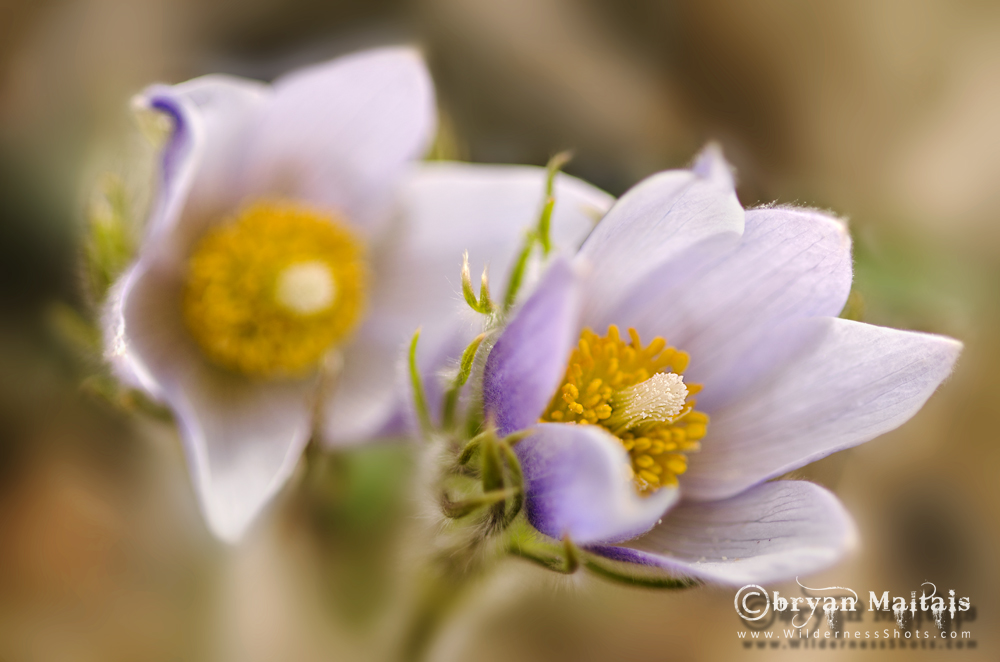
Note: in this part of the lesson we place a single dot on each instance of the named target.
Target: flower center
(636, 393)
(271, 291)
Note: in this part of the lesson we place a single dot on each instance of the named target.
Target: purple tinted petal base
(579, 484)
(527, 363)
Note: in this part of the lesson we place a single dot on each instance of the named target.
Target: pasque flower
(623, 459)
(294, 245)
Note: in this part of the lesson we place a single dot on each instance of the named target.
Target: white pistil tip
(306, 288)
(660, 398)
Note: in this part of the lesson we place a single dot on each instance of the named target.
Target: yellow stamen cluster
(270, 291)
(598, 383)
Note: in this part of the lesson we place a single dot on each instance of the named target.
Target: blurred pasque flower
(623, 460)
(295, 237)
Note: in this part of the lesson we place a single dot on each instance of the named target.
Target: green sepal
(517, 273)
(514, 437)
(555, 164)
(566, 558)
(516, 480)
(75, 331)
(540, 234)
(491, 467)
(109, 245)
(640, 579)
(462, 507)
(576, 557)
(419, 400)
(464, 370)
(483, 304)
(563, 559)
(513, 464)
(471, 448)
(548, 561)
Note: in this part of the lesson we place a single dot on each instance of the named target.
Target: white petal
(444, 209)
(373, 396)
(721, 307)
(579, 484)
(364, 396)
(851, 383)
(656, 221)
(198, 174)
(242, 437)
(340, 134)
(448, 208)
(771, 533)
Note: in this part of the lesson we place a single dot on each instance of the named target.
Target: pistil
(637, 393)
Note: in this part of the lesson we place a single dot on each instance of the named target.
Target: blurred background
(884, 112)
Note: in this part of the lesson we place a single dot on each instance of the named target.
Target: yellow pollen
(271, 290)
(636, 393)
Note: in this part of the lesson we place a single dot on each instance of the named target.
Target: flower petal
(199, 165)
(373, 397)
(656, 221)
(528, 361)
(444, 209)
(242, 438)
(448, 208)
(366, 394)
(340, 134)
(579, 484)
(722, 307)
(851, 383)
(773, 532)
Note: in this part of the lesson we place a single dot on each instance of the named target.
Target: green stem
(437, 596)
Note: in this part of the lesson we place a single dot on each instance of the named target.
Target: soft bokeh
(884, 112)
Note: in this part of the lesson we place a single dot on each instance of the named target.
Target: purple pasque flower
(294, 236)
(622, 460)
